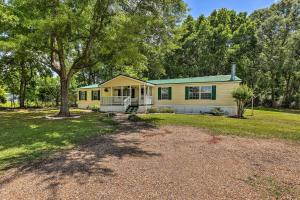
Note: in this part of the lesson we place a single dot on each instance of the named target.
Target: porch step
(131, 109)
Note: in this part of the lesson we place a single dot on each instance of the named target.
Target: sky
(205, 7)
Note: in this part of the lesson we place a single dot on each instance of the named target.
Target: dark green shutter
(85, 95)
(170, 93)
(98, 94)
(159, 93)
(79, 97)
(186, 93)
(214, 93)
(92, 96)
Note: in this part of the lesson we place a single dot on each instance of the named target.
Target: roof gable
(123, 80)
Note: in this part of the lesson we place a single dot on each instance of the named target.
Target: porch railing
(125, 100)
(114, 100)
(148, 100)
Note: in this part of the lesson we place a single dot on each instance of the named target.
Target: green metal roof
(90, 86)
(203, 79)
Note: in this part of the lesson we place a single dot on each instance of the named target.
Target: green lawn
(27, 135)
(266, 123)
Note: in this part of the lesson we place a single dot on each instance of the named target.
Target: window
(199, 92)
(96, 95)
(82, 95)
(206, 92)
(193, 92)
(165, 93)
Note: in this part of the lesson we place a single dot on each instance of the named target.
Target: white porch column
(145, 94)
(140, 94)
(111, 94)
(122, 95)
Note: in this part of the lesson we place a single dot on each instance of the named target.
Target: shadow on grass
(82, 163)
(26, 136)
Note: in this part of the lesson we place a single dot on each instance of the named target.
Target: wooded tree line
(86, 42)
(265, 46)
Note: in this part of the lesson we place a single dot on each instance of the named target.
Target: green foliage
(217, 111)
(161, 110)
(3, 95)
(95, 108)
(264, 45)
(281, 124)
(241, 95)
(152, 110)
(134, 118)
(92, 41)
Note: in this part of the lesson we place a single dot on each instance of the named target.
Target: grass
(27, 135)
(266, 123)
(273, 188)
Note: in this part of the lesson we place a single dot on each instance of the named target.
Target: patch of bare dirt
(170, 162)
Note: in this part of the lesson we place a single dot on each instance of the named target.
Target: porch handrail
(127, 102)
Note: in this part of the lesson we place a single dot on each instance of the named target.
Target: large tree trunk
(64, 103)
(287, 95)
(23, 85)
(274, 103)
(22, 93)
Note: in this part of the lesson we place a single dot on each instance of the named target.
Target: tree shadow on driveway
(84, 162)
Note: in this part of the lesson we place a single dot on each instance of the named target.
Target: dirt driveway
(171, 162)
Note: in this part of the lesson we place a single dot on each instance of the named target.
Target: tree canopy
(48, 48)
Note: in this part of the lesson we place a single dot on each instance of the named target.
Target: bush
(217, 112)
(133, 118)
(95, 108)
(152, 110)
(161, 110)
(166, 110)
(3, 97)
(242, 94)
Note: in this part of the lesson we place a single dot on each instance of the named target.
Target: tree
(241, 95)
(276, 26)
(3, 95)
(73, 35)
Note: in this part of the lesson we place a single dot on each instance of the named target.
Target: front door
(134, 97)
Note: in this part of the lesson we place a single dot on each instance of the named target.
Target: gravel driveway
(170, 162)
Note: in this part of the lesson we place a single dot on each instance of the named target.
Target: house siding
(180, 104)
(223, 94)
(89, 103)
(178, 101)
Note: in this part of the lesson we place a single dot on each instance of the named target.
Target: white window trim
(161, 95)
(200, 92)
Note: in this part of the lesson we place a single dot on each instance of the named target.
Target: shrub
(152, 110)
(3, 98)
(217, 111)
(95, 108)
(242, 94)
(166, 110)
(161, 110)
(133, 118)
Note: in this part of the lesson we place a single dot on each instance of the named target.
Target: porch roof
(90, 86)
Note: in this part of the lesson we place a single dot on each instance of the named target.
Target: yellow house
(183, 95)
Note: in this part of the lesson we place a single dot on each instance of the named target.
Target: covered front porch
(118, 94)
